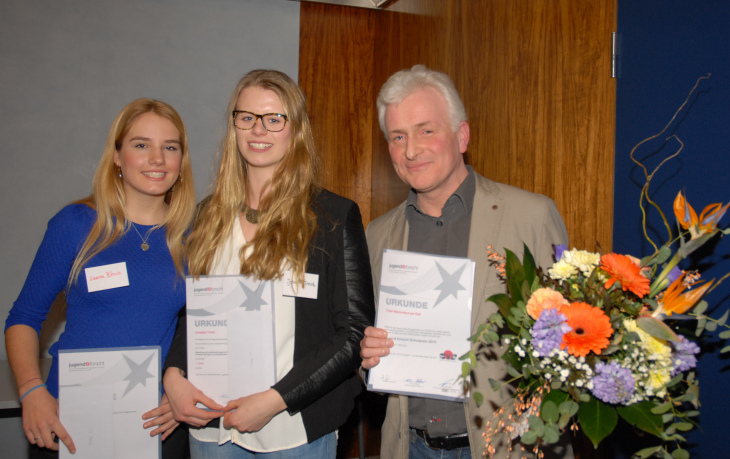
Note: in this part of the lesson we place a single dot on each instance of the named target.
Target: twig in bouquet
(648, 176)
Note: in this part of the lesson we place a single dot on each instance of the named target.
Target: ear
(463, 135)
(116, 158)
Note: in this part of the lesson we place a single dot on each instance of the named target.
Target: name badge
(291, 288)
(107, 277)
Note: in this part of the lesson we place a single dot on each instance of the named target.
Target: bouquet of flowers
(602, 337)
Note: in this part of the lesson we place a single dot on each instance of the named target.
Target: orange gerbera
(622, 270)
(590, 329)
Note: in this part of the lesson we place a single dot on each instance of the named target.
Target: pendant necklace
(252, 215)
(144, 244)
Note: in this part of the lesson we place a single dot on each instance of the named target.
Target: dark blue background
(664, 46)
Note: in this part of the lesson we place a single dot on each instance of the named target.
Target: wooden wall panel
(535, 78)
(336, 74)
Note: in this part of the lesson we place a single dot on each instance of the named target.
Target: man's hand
(375, 345)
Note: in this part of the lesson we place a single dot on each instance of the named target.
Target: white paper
(228, 365)
(424, 303)
(103, 394)
(106, 277)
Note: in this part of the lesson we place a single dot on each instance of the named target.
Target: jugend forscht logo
(402, 268)
(206, 291)
(85, 365)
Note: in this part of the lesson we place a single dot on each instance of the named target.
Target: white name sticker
(291, 288)
(106, 277)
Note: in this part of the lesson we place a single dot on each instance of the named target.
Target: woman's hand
(162, 417)
(251, 413)
(41, 423)
(183, 397)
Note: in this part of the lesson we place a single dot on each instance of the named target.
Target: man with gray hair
(450, 210)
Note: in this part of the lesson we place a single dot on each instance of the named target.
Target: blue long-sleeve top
(141, 314)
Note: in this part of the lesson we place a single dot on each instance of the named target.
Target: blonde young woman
(140, 208)
(267, 216)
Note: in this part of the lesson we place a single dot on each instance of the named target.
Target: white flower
(562, 270)
(584, 261)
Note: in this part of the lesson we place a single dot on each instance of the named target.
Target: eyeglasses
(272, 122)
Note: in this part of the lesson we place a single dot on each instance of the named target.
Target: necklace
(252, 215)
(144, 244)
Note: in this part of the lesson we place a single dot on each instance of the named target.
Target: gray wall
(67, 68)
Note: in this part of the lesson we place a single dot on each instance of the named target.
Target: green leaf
(725, 334)
(515, 275)
(641, 415)
(656, 328)
(496, 385)
(549, 412)
(465, 369)
(661, 409)
(725, 349)
(684, 426)
(478, 398)
(503, 302)
(646, 452)
(528, 437)
(536, 425)
(528, 265)
(723, 319)
(711, 326)
(663, 255)
(597, 420)
(701, 307)
(680, 454)
(552, 434)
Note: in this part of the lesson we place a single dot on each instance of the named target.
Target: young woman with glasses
(267, 216)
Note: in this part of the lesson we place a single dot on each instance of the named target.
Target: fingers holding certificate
(422, 325)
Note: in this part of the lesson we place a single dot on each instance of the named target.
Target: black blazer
(322, 383)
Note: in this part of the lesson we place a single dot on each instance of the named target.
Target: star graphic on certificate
(138, 373)
(253, 301)
(450, 284)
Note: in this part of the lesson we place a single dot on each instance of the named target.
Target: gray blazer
(505, 217)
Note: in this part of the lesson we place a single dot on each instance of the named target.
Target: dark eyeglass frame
(259, 117)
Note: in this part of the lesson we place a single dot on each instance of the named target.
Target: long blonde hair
(287, 222)
(107, 196)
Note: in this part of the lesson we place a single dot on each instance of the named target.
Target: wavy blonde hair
(107, 196)
(287, 222)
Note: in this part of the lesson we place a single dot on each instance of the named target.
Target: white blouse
(284, 431)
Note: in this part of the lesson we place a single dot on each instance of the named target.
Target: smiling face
(261, 149)
(149, 157)
(426, 153)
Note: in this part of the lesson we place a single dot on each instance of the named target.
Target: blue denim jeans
(420, 450)
(321, 448)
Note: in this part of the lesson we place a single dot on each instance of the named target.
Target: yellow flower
(658, 377)
(542, 299)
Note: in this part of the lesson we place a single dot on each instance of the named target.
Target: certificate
(424, 303)
(230, 322)
(103, 394)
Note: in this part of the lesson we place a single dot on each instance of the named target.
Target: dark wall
(665, 45)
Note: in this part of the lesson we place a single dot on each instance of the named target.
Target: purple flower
(683, 354)
(548, 331)
(674, 274)
(612, 383)
(559, 249)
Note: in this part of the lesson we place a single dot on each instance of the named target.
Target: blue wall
(665, 45)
